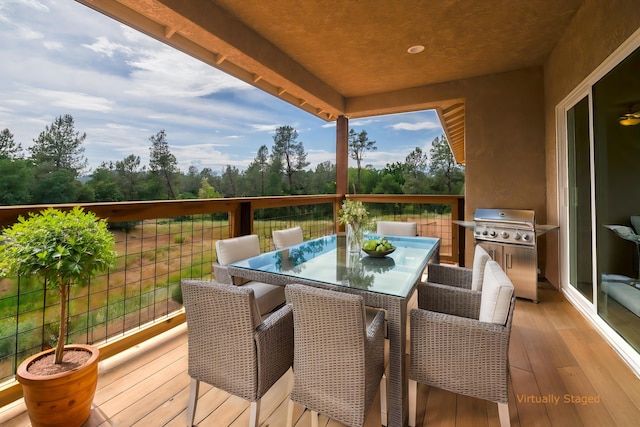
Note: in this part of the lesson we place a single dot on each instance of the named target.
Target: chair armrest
(450, 300)
(221, 272)
(274, 344)
(460, 355)
(450, 275)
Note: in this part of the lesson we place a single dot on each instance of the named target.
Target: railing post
(342, 155)
(241, 220)
(461, 236)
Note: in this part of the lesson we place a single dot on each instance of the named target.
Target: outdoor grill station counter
(510, 237)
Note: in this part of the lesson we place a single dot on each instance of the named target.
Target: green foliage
(17, 181)
(63, 248)
(359, 144)
(448, 175)
(162, 162)
(291, 153)
(51, 176)
(57, 186)
(388, 185)
(176, 294)
(60, 147)
(104, 185)
(8, 147)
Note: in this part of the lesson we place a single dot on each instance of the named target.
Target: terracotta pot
(60, 399)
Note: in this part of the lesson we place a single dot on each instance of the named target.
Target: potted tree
(64, 249)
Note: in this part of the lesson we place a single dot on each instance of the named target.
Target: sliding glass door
(603, 197)
(580, 217)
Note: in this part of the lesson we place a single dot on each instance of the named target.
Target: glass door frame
(587, 308)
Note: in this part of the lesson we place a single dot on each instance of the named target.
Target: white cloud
(51, 45)
(361, 122)
(426, 125)
(166, 72)
(122, 86)
(33, 4)
(104, 46)
(265, 128)
(25, 33)
(72, 100)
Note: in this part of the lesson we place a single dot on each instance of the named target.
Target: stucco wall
(597, 29)
(505, 144)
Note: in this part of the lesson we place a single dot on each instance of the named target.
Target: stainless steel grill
(509, 235)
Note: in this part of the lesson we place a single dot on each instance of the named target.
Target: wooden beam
(342, 155)
(169, 31)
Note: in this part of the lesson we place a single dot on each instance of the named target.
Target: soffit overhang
(350, 58)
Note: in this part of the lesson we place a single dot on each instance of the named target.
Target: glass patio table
(386, 282)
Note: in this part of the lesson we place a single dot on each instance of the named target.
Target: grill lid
(516, 217)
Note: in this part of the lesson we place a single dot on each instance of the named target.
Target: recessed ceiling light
(416, 49)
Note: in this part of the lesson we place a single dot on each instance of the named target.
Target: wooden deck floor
(555, 355)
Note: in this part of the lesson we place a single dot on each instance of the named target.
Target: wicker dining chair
(338, 361)
(287, 237)
(461, 277)
(463, 346)
(397, 228)
(230, 347)
(268, 296)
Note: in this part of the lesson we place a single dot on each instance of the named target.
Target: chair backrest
(329, 351)
(222, 320)
(287, 237)
(237, 248)
(396, 228)
(497, 291)
(480, 258)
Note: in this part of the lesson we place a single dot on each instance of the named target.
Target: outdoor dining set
(324, 311)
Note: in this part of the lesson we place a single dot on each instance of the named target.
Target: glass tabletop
(326, 260)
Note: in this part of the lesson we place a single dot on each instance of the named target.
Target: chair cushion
(237, 248)
(288, 237)
(268, 298)
(396, 228)
(497, 290)
(480, 258)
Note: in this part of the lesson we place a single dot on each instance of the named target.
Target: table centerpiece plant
(355, 217)
(64, 249)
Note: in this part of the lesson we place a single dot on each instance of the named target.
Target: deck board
(553, 352)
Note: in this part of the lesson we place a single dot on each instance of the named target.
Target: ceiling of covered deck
(349, 57)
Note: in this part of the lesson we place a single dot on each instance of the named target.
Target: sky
(59, 57)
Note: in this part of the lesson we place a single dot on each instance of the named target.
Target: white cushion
(497, 291)
(395, 228)
(268, 297)
(237, 248)
(480, 258)
(288, 237)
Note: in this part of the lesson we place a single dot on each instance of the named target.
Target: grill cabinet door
(495, 251)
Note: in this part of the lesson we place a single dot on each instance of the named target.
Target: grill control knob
(516, 236)
(525, 237)
(484, 232)
(492, 233)
(504, 234)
